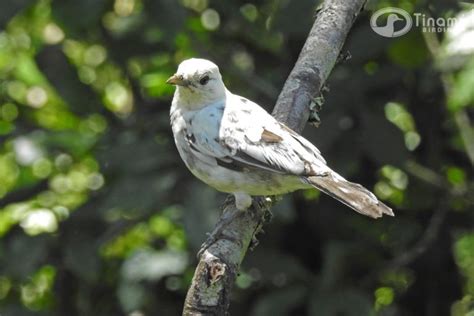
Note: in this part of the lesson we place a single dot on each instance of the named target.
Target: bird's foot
(343, 57)
(261, 204)
(229, 200)
(315, 107)
(254, 242)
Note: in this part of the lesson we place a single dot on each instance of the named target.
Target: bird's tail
(352, 194)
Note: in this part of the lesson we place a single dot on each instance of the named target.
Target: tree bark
(209, 293)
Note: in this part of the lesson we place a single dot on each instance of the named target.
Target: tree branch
(209, 293)
(316, 60)
(424, 243)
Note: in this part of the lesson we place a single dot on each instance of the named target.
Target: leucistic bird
(235, 146)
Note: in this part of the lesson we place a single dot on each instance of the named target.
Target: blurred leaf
(147, 265)
(132, 295)
(37, 293)
(71, 142)
(461, 93)
(464, 255)
(456, 176)
(27, 71)
(463, 307)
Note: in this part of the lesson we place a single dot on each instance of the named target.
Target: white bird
(235, 146)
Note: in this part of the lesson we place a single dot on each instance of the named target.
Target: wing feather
(250, 138)
(278, 146)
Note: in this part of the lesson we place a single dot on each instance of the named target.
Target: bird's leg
(242, 200)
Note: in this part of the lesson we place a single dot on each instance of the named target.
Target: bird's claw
(262, 205)
(316, 105)
(343, 57)
(229, 200)
(254, 242)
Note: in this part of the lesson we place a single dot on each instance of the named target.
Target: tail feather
(352, 194)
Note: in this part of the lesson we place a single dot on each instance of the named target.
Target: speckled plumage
(235, 146)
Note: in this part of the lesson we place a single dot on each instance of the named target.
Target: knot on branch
(216, 270)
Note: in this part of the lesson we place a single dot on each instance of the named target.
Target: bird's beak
(176, 80)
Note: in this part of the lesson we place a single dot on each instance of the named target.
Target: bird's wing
(249, 137)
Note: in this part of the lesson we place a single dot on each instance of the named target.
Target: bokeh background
(99, 216)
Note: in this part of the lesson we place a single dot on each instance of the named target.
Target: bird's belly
(251, 181)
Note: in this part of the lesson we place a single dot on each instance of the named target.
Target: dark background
(99, 216)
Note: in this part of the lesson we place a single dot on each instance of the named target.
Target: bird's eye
(204, 80)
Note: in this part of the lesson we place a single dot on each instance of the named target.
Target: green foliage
(462, 94)
(464, 254)
(98, 215)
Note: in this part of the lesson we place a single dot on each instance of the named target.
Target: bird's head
(198, 83)
(392, 18)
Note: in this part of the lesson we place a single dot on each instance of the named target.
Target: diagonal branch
(317, 58)
(209, 293)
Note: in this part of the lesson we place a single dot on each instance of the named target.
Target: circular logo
(392, 15)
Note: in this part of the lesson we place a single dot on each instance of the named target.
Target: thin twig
(209, 293)
(466, 131)
(426, 175)
(408, 256)
(424, 243)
